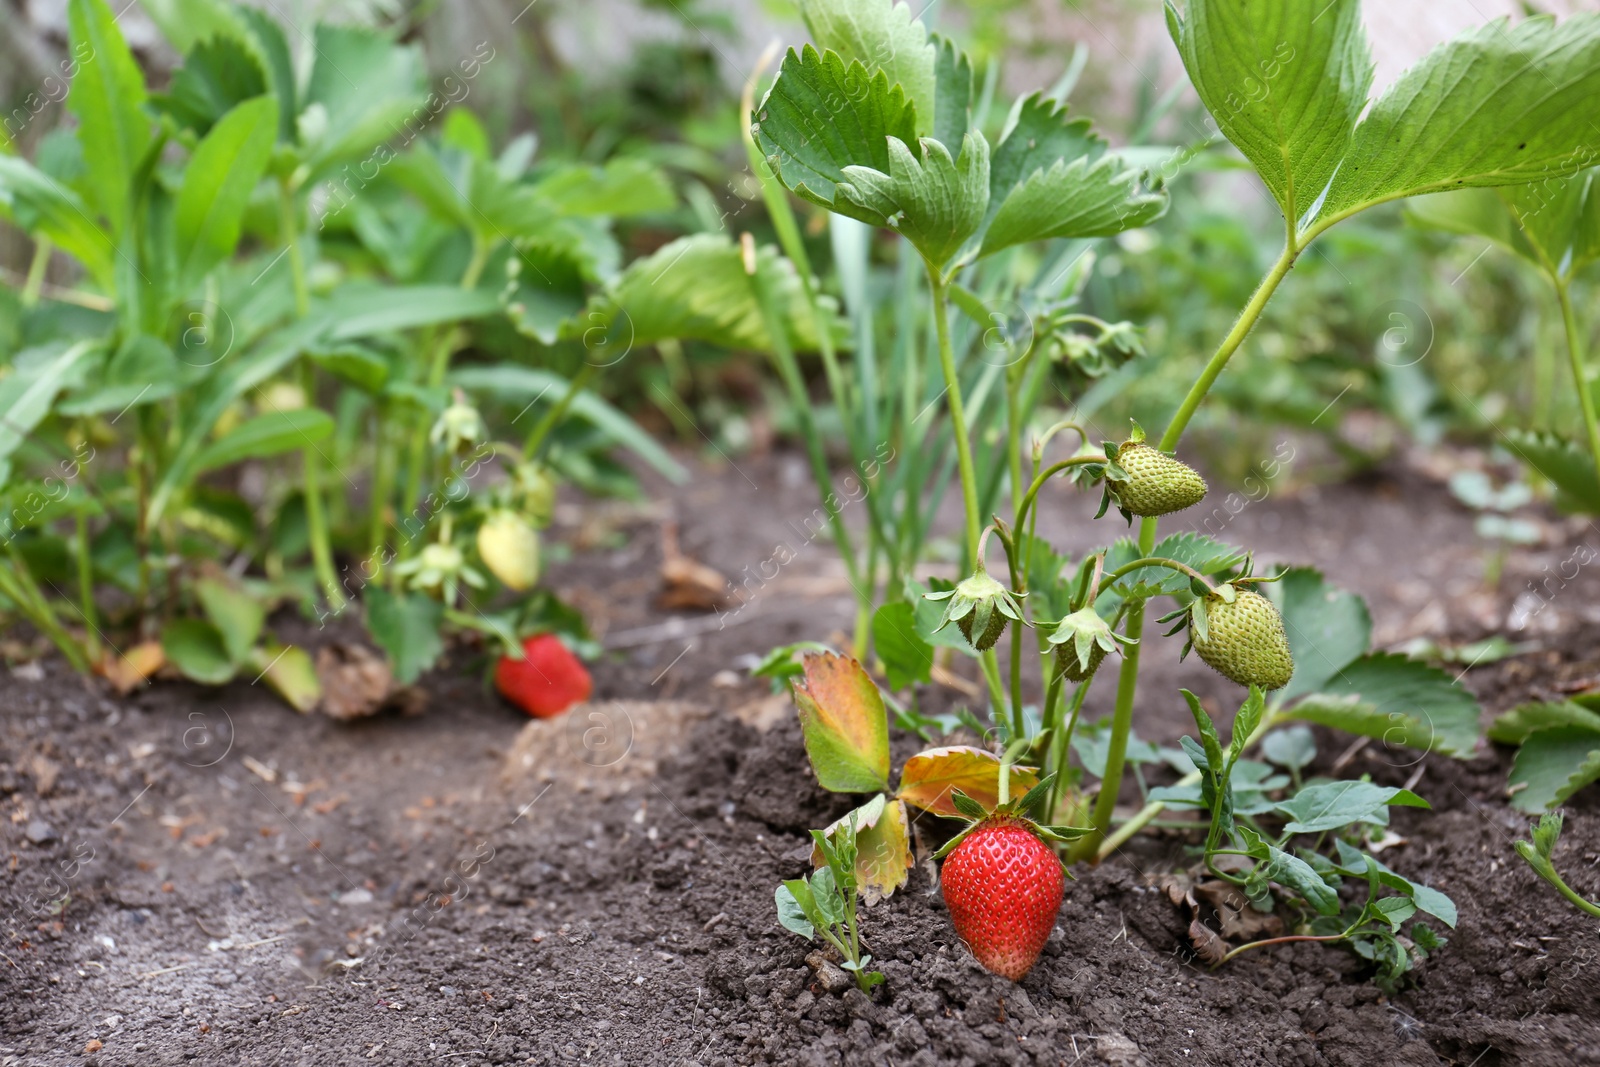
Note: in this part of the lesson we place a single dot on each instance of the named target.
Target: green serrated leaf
(934, 201)
(1553, 764)
(1517, 725)
(1327, 627)
(952, 92)
(1076, 199)
(407, 627)
(1330, 805)
(1284, 82)
(1397, 701)
(697, 289)
(821, 116)
(1569, 467)
(884, 36)
(906, 657)
(1499, 105)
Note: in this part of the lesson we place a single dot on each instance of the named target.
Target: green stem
(1154, 561)
(1230, 344)
(788, 368)
(1044, 476)
(91, 639)
(558, 411)
(17, 583)
(316, 519)
(958, 418)
(1580, 374)
(1061, 745)
(382, 488)
(35, 282)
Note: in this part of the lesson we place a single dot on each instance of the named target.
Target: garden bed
(229, 861)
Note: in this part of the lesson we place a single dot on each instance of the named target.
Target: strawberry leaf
(845, 726)
(1570, 468)
(823, 115)
(931, 778)
(906, 657)
(883, 847)
(1330, 805)
(1553, 764)
(884, 36)
(1327, 627)
(1397, 701)
(1076, 199)
(935, 201)
(1517, 725)
(1498, 105)
(1284, 81)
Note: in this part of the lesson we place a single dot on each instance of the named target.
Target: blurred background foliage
(1387, 332)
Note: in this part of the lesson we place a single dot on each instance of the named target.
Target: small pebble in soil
(40, 832)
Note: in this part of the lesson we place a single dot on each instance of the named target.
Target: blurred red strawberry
(547, 681)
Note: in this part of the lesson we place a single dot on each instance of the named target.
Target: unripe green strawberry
(1157, 484)
(1081, 640)
(510, 549)
(1003, 886)
(1244, 640)
(980, 608)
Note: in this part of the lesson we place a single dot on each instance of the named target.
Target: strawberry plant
(824, 904)
(280, 259)
(880, 124)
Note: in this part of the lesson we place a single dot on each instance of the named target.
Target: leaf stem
(958, 418)
(553, 417)
(1580, 374)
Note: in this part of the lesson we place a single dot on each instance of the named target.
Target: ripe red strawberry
(547, 681)
(1003, 886)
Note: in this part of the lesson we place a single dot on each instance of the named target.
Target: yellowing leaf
(883, 847)
(929, 776)
(845, 726)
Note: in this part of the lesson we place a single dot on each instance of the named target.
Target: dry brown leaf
(1237, 920)
(133, 668)
(1208, 945)
(687, 584)
(356, 681)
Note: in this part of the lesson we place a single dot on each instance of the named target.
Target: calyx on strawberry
(1140, 479)
(546, 681)
(1081, 640)
(1238, 633)
(1002, 881)
(980, 607)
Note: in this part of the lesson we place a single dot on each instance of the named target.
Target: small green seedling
(825, 903)
(1538, 854)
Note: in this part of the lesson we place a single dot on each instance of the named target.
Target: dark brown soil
(226, 862)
